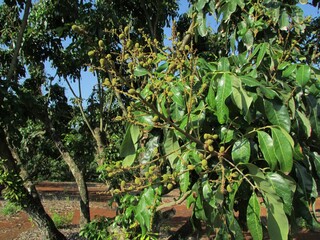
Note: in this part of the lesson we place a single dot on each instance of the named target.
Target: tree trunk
(77, 174)
(29, 201)
(82, 187)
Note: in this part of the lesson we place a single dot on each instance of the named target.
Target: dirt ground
(61, 198)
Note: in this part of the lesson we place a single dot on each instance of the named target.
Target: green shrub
(10, 209)
(62, 220)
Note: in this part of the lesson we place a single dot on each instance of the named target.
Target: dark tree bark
(77, 174)
(29, 201)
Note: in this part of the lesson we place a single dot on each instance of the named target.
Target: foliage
(246, 122)
(62, 220)
(10, 208)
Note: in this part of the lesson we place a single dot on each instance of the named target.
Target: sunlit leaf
(140, 71)
(253, 217)
(283, 150)
(284, 20)
(303, 75)
(267, 149)
(277, 114)
(223, 92)
(241, 151)
(171, 147)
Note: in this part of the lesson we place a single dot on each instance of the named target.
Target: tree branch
(19, 41)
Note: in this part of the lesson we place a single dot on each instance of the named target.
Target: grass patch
(62, 220)
(10, 209)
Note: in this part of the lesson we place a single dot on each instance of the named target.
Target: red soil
(11, 227)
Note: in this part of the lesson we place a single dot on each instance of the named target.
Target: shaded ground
(61, 198)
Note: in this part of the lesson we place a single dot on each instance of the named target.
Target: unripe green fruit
(101, 44)
(123, 184)
(210, 148)
(206, 136)
(209, 141)
(109, 169)
(129, 44)
(121, 36)
(132, 91)
(221, 150)
(118, 164)
(165, 177)
(137, 45)
(204, 163)
(110, 174)
(190, 167)
(103, 62)
(229, 188)
(169, 186)
(91, 53)
(107, 82)
(215, 136)
(126, 29)
(155, 119)
(170, 94)
(126, 56)
(186, 47)
(137, 181)
(76, 28)
(234, 174)
(109, 57)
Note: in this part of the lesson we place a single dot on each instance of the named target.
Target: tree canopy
(229, 118)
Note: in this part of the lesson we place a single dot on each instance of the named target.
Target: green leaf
(283, 150)
(250, 81)
(129, 145)
(202, 24)
(140, 71)
(263, 49)
(223, 65)
(277, 114)
(241, 99)
(143, 213)
(210, 99)
(200, 4)
(184, 176)
(284, 20)
(234, 226)
(248, 39)
(129, 160)
(314, 105)
(253, 218)
(278, 225)
(162, 67)
(178, 93)
(305, 122)
(223, 92)
(303, 75)
(289, 70)
(226, 135)
(267, 149)
(316, 160)
(171, 147)
(305, 181)
(241, 151)
(285, 188)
